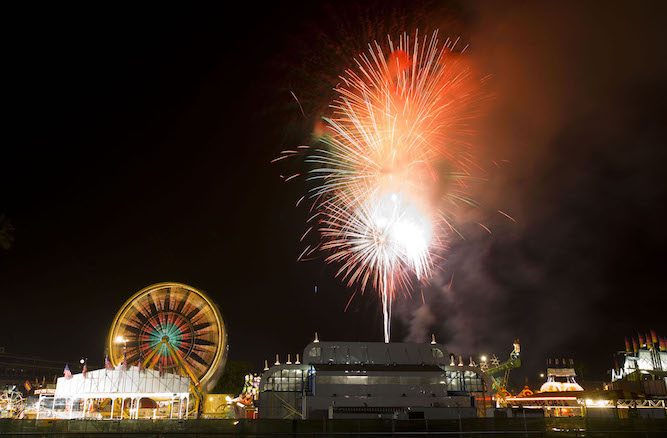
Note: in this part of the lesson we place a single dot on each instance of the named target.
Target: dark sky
(137, 150)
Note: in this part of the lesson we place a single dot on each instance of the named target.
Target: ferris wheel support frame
(174, 354)
(194, 383)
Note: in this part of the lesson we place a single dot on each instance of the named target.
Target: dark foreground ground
(476, 427)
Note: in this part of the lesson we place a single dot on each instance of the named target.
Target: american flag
(123, 365)
(160, 366)
(67, 373)
(141, 359)
(85, 369)
(107, 363)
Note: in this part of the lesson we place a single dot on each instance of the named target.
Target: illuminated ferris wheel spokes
(171, 326)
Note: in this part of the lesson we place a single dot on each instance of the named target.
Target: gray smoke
(579, 92)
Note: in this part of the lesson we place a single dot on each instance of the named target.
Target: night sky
(138, 148)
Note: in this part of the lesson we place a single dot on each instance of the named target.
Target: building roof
(375, 353)
(376, 367)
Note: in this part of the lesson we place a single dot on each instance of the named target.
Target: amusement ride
(11, 403)
(503, 369)
(174, 328)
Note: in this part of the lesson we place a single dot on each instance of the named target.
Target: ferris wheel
(173, 327)
(11, 403)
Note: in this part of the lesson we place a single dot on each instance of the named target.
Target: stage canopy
(119, 383)
(83, 395)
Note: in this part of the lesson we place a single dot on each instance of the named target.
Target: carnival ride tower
(496, 367)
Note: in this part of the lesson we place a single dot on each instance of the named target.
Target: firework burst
(392, 164)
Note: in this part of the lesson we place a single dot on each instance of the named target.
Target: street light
(483, 358)
(120, 339)
(541, 374)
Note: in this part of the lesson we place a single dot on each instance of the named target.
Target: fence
(467, 428)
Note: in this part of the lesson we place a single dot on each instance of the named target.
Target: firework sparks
(392, 164)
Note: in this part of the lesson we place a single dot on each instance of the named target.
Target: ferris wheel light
(120, 340)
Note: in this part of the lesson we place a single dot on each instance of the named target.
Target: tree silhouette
(6, 232)
(232, 380)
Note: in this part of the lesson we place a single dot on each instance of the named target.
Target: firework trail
(392, 163)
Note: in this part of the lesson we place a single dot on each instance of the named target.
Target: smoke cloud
(577, 133)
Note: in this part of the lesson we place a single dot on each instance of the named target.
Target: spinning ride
(500, 383)
(11, 403)
(172, 327)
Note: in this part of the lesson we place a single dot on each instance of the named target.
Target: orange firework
(393, 163)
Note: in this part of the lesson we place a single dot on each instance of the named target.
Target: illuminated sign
(45, 391)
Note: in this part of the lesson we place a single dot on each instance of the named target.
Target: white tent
(121, 384)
